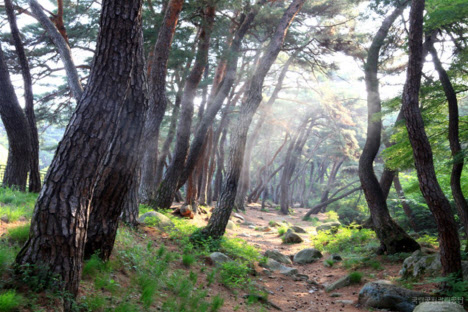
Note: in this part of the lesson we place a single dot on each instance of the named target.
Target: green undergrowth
(345, 240)
(15, 204)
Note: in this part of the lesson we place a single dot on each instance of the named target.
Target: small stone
(342, 282)
(22, 219)
(243, 235)
(238, 216)
(345, 301)
(230, 225)
(335, 257)
(5, 219)
(278, 256)
(334, 295)
(219, 258)
(298, 229)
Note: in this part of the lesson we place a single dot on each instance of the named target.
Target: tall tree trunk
(331, 180)
(34, 176)
(117, 186)
(157, 99)
(60, 220)
(17, 129)
(62, 47)
(215, 103)
(438, 204)
(455, 147)
(218, 221)
(168, 187)
(392, 237)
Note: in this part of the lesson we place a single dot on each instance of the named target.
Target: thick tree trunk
(438, 204)
(116, 188)
(17, 129)
(455, 147)
(392, 237)
(60, 220)
(218, 221)
(157, 100)
(34, 175)
(169, 185)
(62, 47)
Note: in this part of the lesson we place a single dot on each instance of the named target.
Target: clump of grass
(282, 230)
(216, 303)
(19, 234)
(345, 240)
(10, 301)
(94, 302)
(332, 215)
(7, 255)
(210, 277)
(16, 204)
(240, 249)
(188, 260)
(234, 274)
(126, 307)
(93, 266)
(355, 277)
(329, 263)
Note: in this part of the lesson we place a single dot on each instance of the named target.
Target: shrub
(234, 274)
(19, 234)
(331, 215)
(93, 266)
(282, 230)
(355, 277)
(345, 240)
(188, 260)
(10, 301)
(239, 248)
(328, 263)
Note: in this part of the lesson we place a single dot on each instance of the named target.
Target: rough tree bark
(157, 98)
(454, 141)
(438, 204)
(218, 221)
(168, 186)
(34, 175)
(17, 129)
(404, 204)
(392, 237)
(62, 47)
(117, 186)
(59, 223)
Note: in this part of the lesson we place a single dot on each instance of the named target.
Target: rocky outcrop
(438, 307)
(218, 258)
(154, 218)
(328, 226)
(291, 238)
(276, 266)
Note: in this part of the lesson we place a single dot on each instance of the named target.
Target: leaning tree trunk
(62, 47)
(455, 147)
(404, 203)
(392, 237)
(219, 219)
(168, 186)
(117, 186)
(60, 220)
(157, 99)
(438, 204)
(16, 126)
(34, 175)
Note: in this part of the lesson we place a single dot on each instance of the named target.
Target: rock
(278, 256)
(186, 211)
(246, 223)
(161, 221)
(298, 229)
(243, 235)
(419, 264)
(276, 266)
(384, 295)
(342, 282)
(22, 219)
(291, 238)
(230, 225)
(219, 258)
(441, 306)
(335, 295)
(328, 226)
(252, 227)
(307, 255)
(345, 301)
(274, 224)
(5, 219)
(263, 229)
(300, 277)
(335, 257)
(238, 216)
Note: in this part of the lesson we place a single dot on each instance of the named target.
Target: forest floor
(153, 270)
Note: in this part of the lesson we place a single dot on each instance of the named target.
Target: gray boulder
(278, 256)
(219, 258)
(438, 307)
(308, 255)
(292, 238)
(335, 257)
(158, 219)
(342, 282)
(384, 295)
(238, 216)
(328, 226)
(276, 266)
(298, 229)
(419, 264)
